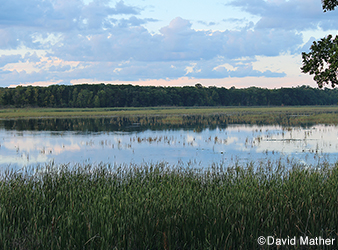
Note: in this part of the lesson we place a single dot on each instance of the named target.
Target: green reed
(157, 206)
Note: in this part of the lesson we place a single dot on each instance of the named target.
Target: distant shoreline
(122, 96)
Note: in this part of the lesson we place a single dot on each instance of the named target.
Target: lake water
(199, 147)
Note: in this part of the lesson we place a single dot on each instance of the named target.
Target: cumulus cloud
(297, 15)
(21, 21)
(176, 42)
(109, 41)
(32, 57)
(6, 59)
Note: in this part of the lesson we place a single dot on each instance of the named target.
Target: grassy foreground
(157, 206)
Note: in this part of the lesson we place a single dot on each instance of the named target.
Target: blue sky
(168, 43)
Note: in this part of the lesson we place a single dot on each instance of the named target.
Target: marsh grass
(158, 206)
(25, 113)
(137, 119)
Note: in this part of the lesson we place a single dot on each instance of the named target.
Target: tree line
(107, 95)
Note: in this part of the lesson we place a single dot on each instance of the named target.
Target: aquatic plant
(159, 206)
(134, 119)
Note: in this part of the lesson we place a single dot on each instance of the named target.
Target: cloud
(121, 8)
(209, 24)
(21, 21)
(97, 13)
(32, 57)
(297, 15)
(58, 72)
(6, 59)
(239, 23)
(59, 14)
(223, 68)
(134, 21)
(167, 55)
(8, 39)
(110, 42)
(24, 13)
(176, 42)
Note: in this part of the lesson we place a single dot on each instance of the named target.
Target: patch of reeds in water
(157, 206)
(197, 119)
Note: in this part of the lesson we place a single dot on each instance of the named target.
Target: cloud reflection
(173, 146)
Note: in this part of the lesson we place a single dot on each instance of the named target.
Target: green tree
(84, 99)
(59, 95)
(74, 97)
(18, 97)
(322, 60)
(51, 101)
(102, 99)
(45, 96)
(96, 101)
(35, 97)
(3, 98)
(329, 4)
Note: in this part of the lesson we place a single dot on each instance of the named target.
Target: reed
(25, 113)
(163, 118)
(158, 206)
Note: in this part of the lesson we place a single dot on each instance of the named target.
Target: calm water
(202, 147)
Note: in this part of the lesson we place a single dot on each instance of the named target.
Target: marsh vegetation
(225, 204)
(201, 135)
(159, 206)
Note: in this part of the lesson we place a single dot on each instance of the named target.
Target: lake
(125, 141)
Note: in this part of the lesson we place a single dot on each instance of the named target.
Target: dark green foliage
(322, 59)
(165, 207)
(329, 5)
(101, 95)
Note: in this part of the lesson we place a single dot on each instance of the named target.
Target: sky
(221, 43)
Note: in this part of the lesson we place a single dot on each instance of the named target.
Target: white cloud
(297, 15)
(94, 41)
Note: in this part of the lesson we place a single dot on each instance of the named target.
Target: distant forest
(102, 95)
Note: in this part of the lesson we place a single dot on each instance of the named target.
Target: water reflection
(117, 123)
(136, 123)
(203, 147)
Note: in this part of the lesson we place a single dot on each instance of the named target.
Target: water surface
(200, 146)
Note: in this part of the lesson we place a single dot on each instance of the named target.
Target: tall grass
(25, 113)
(157, 206)
(289, 116)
